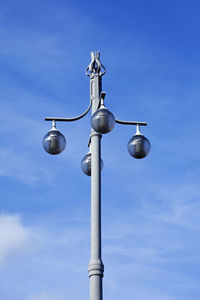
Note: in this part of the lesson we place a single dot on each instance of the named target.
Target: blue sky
(150, 207)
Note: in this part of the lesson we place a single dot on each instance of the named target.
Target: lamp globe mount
(102, 121)
(86, 164)
(54, 141)
(139, 146)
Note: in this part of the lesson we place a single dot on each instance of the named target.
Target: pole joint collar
(94, 133)
(96, 267)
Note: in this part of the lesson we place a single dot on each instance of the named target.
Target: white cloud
(15, 238)
(138, 245)
(47, 296)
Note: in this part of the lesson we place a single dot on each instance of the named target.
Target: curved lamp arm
(70, 119)
(130, 122)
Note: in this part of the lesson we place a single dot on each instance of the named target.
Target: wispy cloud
(150, 208)
(21, 152)
(16, 239)
(146, 249)
(21, 166)
(46, 295)
(176, 204)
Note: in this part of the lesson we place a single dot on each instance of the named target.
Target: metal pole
(95, 71)
(96, 267)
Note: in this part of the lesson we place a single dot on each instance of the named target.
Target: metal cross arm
(130, 122)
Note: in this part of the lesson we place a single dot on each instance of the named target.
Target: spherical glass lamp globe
(86, 164)
(139, 146)
(54, 142)
(102, 120)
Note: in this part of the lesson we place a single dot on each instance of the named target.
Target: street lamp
(102, 121)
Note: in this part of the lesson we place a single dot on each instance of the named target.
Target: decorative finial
(95, 66)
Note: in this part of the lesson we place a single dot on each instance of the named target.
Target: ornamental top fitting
(95, 67)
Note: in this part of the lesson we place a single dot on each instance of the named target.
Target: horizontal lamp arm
(130, 122)
(70, 119)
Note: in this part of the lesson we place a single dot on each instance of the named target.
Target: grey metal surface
(70, 119)
(95, 267)
(95, 66)
(130, 122)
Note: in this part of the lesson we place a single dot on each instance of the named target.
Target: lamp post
(102, 122)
